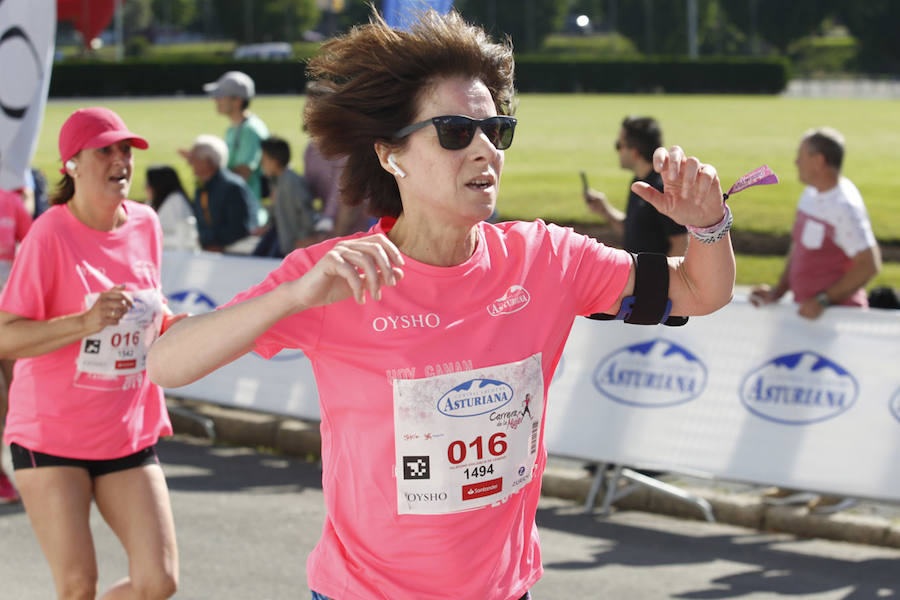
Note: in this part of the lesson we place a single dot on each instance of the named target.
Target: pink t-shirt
(14, 224)
(830, 229)
(466, 342)
(67, 410)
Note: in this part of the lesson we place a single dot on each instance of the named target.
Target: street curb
(294, 437)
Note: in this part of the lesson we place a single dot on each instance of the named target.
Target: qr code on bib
(416, 467)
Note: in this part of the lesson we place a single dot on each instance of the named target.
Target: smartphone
(584, 182)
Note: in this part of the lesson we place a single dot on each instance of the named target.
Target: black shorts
(23, 458)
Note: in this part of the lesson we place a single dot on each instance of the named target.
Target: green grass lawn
(559, 135)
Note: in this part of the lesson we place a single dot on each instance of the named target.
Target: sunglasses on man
(455, 132)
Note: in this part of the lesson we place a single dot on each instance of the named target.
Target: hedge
(534, 73)
(148, 78)
(647, 75)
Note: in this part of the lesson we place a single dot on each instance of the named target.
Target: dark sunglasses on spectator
(455, 132)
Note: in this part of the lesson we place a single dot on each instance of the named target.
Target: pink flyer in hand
(761, 176)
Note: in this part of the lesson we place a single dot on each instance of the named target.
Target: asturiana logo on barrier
(190, 301)
(799, 389)
(895, 404)
(196, 302)
(475, 397)
(651, 374)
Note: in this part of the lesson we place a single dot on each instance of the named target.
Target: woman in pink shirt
(81, 307)
(14, 224)
(435, 335)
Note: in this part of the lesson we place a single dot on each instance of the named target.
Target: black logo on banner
(13, 33)
(416, 467)
(91, 346)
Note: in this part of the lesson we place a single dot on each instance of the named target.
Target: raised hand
(109, 308)
(351, 268)
(692, 192)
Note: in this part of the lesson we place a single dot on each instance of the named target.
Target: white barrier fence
(746, 394)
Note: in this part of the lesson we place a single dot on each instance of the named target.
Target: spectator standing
(223, 202)
(414, 326)
(645, 229)
(175, 212)
(323, 175)
(81, 308)
(232, 93)
(292, 202)
(14, 224)
(833, 253)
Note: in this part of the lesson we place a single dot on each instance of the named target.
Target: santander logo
(515, 299)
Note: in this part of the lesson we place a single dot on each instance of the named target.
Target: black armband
(650, 304)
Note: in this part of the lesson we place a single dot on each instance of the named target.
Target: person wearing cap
(232, 93)
(81, 307)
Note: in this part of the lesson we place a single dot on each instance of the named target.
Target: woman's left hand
(692, 193)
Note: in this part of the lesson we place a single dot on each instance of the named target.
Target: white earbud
(70, 164)
(392, 160)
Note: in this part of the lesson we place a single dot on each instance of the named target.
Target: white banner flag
(27, 33)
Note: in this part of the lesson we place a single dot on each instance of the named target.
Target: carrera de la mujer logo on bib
(138, 311)
(475, 397)
(651, 374)
(799, 389)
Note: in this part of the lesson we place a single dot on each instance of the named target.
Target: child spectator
(292, 201)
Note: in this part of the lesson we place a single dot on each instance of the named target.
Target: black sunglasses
(455, 132)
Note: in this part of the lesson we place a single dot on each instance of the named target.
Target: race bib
(466, 440)
(122, 349)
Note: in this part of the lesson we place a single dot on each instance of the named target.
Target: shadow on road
(196, 465)
(774, 563)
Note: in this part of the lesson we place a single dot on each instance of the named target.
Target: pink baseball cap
(95, 127)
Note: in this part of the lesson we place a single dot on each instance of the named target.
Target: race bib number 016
(466, 440)
(122, 349)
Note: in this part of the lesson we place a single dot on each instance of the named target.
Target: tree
(779, 23)
(256, 21)
(527, 22)
(656, 26)
(177, 13)
(136, 16)
(874, 25)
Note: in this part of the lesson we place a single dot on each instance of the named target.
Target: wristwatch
(823, 299)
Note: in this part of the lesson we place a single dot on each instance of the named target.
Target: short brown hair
(368, 84)
(643, 134)
(829, 143)
(277, 149)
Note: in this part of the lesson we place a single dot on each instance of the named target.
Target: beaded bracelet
(713, 233)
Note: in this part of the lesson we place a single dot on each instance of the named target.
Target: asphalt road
(247, 520)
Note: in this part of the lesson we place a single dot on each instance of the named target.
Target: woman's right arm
(196, 346)
(21, 337)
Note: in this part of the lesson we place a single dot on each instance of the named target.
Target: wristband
(713, 233)
(169, 320)
(823, 300)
